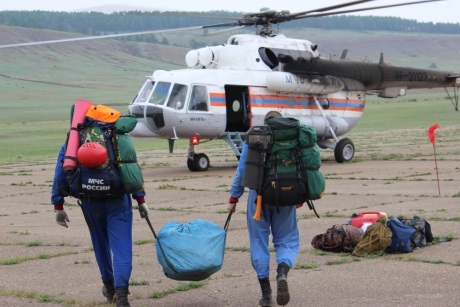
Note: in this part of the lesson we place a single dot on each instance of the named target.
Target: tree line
(97, 23)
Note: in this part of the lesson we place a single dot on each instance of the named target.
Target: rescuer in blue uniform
(282, 225)
(110, 222)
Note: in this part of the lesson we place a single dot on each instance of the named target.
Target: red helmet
(92, 154)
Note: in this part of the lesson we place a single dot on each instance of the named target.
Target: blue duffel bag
(192, 251)
(400, 238)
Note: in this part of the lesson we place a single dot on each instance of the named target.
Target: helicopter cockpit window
(177, 97)
(160, 93)
(199, 101)
(145, 92)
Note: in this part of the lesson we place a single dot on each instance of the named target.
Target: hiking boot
(108, 290)
(282, 297)
(266, 299)
(122, 296)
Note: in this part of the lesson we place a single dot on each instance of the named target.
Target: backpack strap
(109, 136)
(124, 161)
(300, 169)
(66, 145)
(90, 226)
(311, 207)
(276, 178)
(306, 146)
(298, 157)
(116, 149)
(307, 168)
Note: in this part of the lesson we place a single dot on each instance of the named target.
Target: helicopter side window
(199, 101)
(160, 93)
(177, 97)
(145, 92)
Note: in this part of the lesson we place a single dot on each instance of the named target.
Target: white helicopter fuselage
(314, 100)
(230, 88)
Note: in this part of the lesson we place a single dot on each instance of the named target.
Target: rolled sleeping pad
(79, 115)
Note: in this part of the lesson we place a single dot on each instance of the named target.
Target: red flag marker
(432, 138)
(431, 135)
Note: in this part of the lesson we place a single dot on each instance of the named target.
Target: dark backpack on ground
(292, 175)
(422, 234)
(401, 237)
(338, 238)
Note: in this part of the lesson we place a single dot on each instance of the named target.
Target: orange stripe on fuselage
(218, 100)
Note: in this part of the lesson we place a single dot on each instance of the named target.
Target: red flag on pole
(431, 135)
(432, 138)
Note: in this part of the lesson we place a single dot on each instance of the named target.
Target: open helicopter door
(238, 116)
(237, 107)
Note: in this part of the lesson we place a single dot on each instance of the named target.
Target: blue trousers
(283, 227)
(111, 234)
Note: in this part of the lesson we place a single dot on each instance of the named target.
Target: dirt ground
(43, 264)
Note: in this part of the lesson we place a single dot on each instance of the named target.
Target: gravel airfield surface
(43, 264)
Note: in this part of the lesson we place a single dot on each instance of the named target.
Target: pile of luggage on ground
(374, 233)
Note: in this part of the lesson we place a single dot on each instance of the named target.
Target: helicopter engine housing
(309, 84)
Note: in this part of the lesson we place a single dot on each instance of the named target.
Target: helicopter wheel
(191, 165)
(201, 162)
(344, 150)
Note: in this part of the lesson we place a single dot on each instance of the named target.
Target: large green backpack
(126, 160)
(293, 175)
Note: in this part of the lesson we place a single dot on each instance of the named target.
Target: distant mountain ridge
(109, 9)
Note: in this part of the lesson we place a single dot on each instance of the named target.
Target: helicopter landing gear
(191, 165)
(196, 162)
(200, 163)
(344, 150)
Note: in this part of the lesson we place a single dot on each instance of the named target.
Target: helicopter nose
(155, 118)
(136, 110)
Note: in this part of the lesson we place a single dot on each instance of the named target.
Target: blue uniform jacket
(237, 189)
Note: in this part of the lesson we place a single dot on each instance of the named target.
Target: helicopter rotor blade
(226, 30)
(364, 9)
(229, 24)
(260, 18)
(97, 37)
(333, 7)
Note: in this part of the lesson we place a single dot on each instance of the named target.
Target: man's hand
(62, 218)
(231, 208)
(143, 210)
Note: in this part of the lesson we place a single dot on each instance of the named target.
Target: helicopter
(227, 89)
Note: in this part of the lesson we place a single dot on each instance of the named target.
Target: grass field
(33, 141)
(419, 109)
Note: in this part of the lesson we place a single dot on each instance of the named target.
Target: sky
(440, 11)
